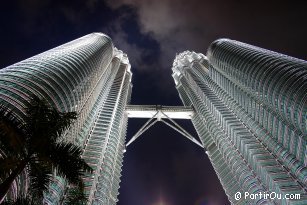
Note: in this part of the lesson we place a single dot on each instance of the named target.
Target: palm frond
(66, 158)
(12, 133)
(45, 121)
(63, 122)
(40, 177)
(38, 117)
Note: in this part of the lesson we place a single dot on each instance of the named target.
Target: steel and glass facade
(89, 76)
(251, 115)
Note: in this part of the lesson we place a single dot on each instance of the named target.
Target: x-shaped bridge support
(158, 113)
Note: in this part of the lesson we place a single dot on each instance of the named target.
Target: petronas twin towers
(249, 109)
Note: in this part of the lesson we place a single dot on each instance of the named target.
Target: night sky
(161, 167)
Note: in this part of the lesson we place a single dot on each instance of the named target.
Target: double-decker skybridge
(159, 113)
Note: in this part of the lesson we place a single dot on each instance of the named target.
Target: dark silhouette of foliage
(35, 145)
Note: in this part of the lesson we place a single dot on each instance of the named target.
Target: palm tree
(35, 145)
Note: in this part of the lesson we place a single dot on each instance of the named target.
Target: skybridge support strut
(165, 114)
(145, 127)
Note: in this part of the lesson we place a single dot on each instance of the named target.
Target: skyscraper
(89, 76)
(251, 116)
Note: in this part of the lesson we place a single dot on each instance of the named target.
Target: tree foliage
(35, 144)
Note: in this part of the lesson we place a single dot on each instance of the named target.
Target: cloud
(192, 25)
(120, 38)
(171, 24)
(176, 25)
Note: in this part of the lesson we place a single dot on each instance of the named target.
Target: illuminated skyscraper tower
(251, 115)
(89, 76)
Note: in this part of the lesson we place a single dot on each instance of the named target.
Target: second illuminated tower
(250, 114)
